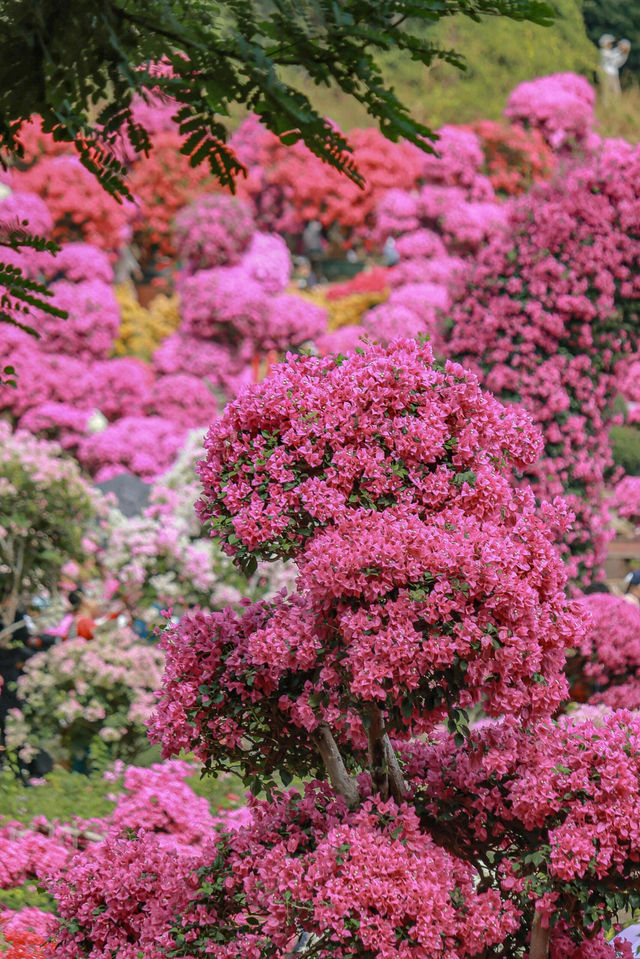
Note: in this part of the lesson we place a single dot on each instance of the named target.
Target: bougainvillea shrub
(83, 689)
(514, 158)
(222, 304)
(120, 386)
(157, 802)
(77, 262)
(42, 377)
(143, 445)
(182, 398)
(60, 422)
(40, 490)
(223, 367)
(563, 799)
(549, 308)
(92, 323)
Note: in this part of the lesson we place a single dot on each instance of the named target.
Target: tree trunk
(397, 785)
(377, 757)
(341, 781)
(539, 948)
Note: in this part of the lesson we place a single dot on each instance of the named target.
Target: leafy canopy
(79, 65)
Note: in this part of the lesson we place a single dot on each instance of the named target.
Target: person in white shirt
(612, 57)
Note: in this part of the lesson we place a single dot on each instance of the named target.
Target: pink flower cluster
(121, 894)
(25, 211)
(143, 445)
(214, 230)
(159, 801)
(560, 106)
(459, 161)
(119, 898)
(157, 806)
(30, 854)
(222, 304)
(182, 399)
(217, 363)
(232, 307)
(570, 790)
(413, 309)
(81, 209)
(92, 325)
(368, 880)
(314, 434)
(267, 261)
(607, 660)
(626, 499)
(77, 262)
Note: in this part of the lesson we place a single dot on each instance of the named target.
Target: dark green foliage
(78, 64)
(625, 446)
(18, 293)
(620, 18)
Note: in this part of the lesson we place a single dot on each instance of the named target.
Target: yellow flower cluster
(142, 329)
(348, 310)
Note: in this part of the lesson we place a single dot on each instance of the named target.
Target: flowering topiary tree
(427, 584)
